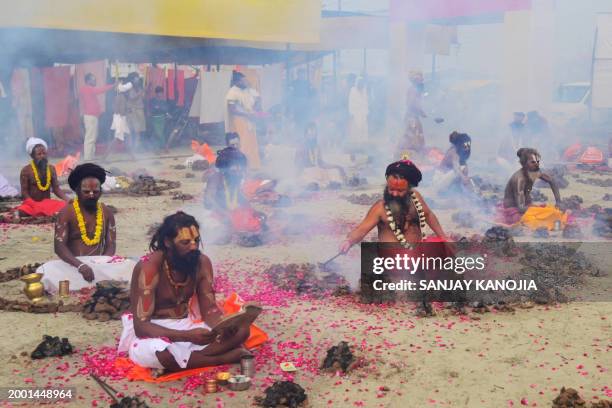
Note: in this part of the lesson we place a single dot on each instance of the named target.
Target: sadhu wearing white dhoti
(175, 322)
(85, 236)
(240, 116)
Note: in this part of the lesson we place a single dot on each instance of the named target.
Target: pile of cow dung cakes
(302, 278)
(129, 402)
(109, 301)
(18, 271)
(282, 394)
(596, 182)
(464, 219)
(338, 358)
(484, 185)
(572, 202)
(603, 224)
(363, 199)
(200, 165)
(556, 269)
(569, 398)
(147, 186)
(538, 196)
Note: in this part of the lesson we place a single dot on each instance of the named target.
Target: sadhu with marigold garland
(85, 236)
(37, 180)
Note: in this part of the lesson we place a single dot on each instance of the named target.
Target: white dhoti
(120, 126)
(104, 268)
(323, 177)
(142, 351)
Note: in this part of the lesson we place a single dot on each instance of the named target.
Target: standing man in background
(91, 109)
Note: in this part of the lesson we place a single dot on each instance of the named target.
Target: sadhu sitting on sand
(401, 217)
(162, 331)
(37, 180)
(230, 211)
(517, 195)
(85, 236)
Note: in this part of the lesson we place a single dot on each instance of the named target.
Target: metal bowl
(239, 383)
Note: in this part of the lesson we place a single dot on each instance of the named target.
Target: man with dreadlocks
(38, 179)
(452, 174)
(163, 330)
(85, 236)
(517, 195)
(401, 216)
(225, 198)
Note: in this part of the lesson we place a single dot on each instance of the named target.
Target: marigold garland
(396, 228)
(37, 178)
(99, 221)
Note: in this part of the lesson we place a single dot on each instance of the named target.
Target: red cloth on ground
(155, 77)
(572, 152)
(508, 216)
(98, 69)
(46, 207)
(56, 88)
(245, 220)
(177, 94)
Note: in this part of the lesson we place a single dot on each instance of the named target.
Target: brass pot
(34, 289)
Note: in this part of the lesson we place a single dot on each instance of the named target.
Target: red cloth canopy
(419, 10)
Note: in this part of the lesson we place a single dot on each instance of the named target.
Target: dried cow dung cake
(110, 300)
(19, 271)
(338, 357)
(537, 195)
(200, 165)
(130, 402)
(568, 398)
(497, 233)
(52, 347)
(282, 394)
(572, 202)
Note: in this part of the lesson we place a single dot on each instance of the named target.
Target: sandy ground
(491, 360)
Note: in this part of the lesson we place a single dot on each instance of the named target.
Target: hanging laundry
(176, 86)
(155, 77)
(212, 104)
(56, 89)
(22, 101)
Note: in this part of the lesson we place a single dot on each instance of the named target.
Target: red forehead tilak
(397, 183)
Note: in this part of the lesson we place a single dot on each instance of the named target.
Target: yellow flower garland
(96, 238)
(37, 178)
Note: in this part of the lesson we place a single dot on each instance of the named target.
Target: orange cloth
(231, 305)
(538, 217)
(138, 373)
(572, 152)
(65, 166)
(592, 155)
(46, 207)
(203, 150)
